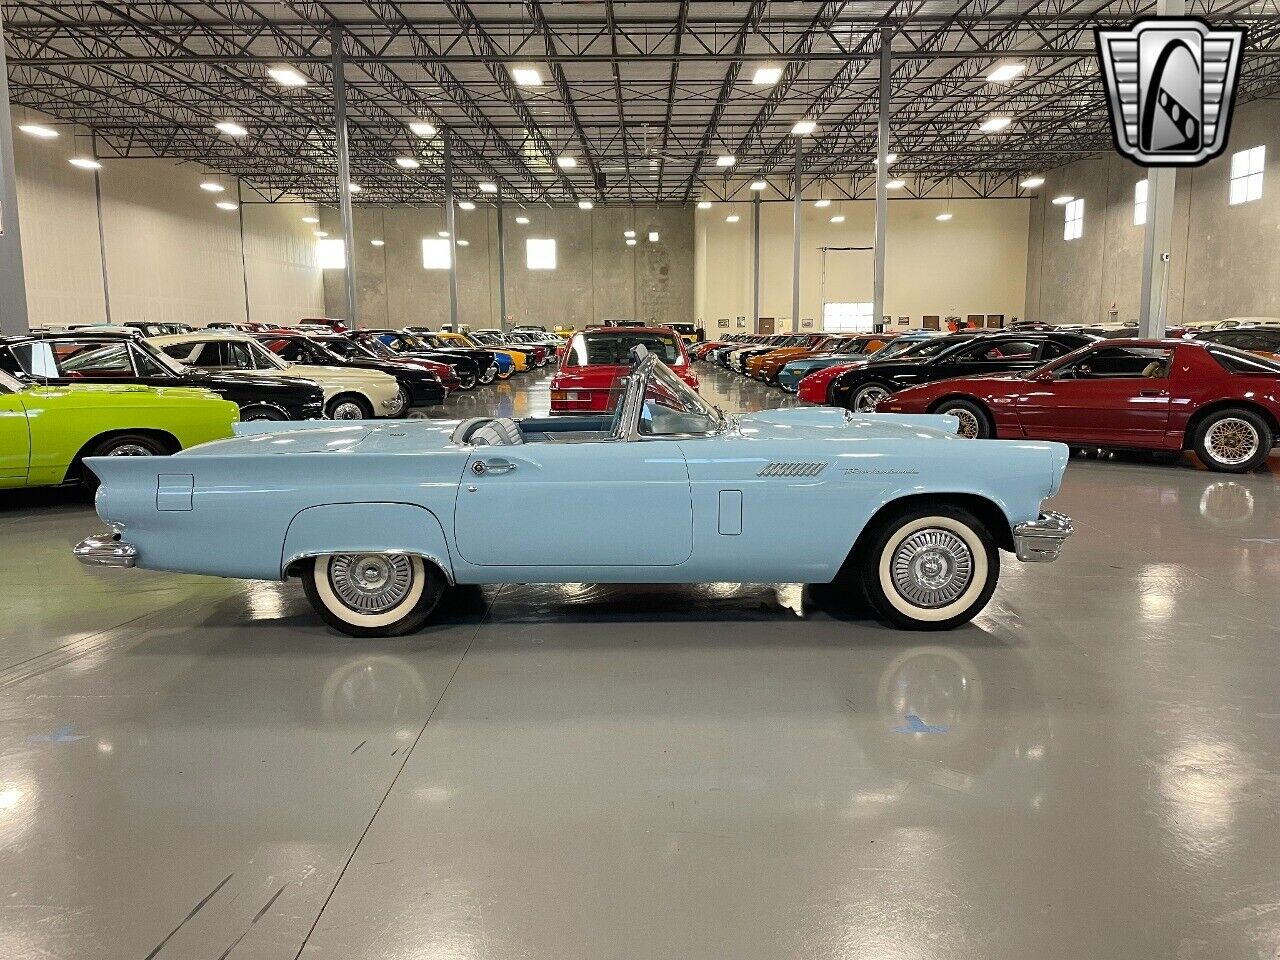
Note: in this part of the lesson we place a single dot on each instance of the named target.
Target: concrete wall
(1225, 259)
(597, 275)
(973, 263)
(170, 253)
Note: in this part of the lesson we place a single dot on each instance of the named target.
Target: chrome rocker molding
(1041, 540)
(106, 550)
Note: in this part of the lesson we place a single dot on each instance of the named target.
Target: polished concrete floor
(192, 768)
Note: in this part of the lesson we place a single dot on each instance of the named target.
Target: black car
(959, 355)
(418, 388)
(424, 345)
(121, 358)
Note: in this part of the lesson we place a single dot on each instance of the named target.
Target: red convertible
(595, 363)
(1168, 395)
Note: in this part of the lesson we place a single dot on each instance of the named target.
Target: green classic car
(47, 431)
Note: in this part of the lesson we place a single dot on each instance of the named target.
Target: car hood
(835, 423)
(232, 379)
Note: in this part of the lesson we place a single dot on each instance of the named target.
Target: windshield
(897, 348)
(659, 404)
(162, 358)
(262, 356)
(614, 349)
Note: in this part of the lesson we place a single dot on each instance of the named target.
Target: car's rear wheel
(490, 374)
(466, 379)
(402, 403)
(121, 445)
(866, 397)
(975, 424)
(929, 568)
(1234, 440)
(348, 406)
(260, 412)
(373, 594)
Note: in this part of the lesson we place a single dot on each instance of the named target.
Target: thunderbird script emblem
(1170, 87)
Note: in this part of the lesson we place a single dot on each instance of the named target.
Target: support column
(344, 171)
(502, 271)
(882, 173)
(1157, 241)
(451, 226)
(797, 215)
(756, 210)
(13, 283)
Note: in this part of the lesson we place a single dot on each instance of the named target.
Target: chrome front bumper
(106, 550)
(1041, 540)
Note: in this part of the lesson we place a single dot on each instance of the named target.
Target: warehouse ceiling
(644, 98)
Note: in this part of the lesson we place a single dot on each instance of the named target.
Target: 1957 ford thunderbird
(378, 519)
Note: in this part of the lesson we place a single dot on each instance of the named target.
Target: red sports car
(1170, 395)
(813, 388)
(596, 359)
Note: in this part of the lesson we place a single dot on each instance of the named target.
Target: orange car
(766, 366)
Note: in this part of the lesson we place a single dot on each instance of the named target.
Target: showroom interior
(775, 307)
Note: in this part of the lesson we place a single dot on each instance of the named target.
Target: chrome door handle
(482, 467)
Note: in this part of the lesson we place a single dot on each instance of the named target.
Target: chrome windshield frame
(627, 427)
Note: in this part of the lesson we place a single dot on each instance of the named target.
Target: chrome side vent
(778, 469)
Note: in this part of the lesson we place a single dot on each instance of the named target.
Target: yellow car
(518, 360)
(565, 331)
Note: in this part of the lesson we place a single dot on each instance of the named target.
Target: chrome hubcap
(932, 568)
(129, 450)
(868, 397)
(968, 422)
(371, 583)
(1232, 440)
(402, 401)
(348, 411)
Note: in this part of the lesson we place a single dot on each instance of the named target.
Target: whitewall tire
(373, 594)
(930, 568)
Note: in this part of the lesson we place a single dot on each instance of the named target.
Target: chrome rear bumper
(1041, 540)
(106, 550)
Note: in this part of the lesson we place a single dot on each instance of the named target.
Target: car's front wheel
(348, 406)
(506, 372)
(929, 568)
(1234, 440)
(866, 397)
(975, 424)
(373, 594)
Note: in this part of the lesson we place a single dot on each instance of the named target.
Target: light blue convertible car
(379, 518)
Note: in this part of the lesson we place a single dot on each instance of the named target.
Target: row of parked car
(148, 389)
(1216, 392)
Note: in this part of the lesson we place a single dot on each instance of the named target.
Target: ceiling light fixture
(838, 218)
(38, 130)
(488, 188)
(732, 218)
(766, 76)
(895, 184)
(85, 163)
(726, 160)
(230, 128)
(526, 76)
(824, 202)
(212, 187)
(628, 234)
(355, 187)
(890, 157)
(464, 243)
(704, 204)
(422, 128)
(631, 241)
(994, 124)
(566, 162)
(944, 217)
(442, 233)
(758, 185)
(407, 163)
(803, 128)
(1005, 72)
(226, 205)
(1063, 200)
(1031, 183)
(466, 205)
(585, 204)
(310, 219)
(286, 76)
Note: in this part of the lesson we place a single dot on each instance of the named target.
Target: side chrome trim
(1037, 541)
(106, 550)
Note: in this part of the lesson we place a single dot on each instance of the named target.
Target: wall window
(436, 254)
(540, 254)
(1246, 175)
(854, 317)
(331, 254)
(1073, 227)
(1140, 203)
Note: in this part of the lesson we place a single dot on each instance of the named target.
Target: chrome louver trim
(778, 469)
